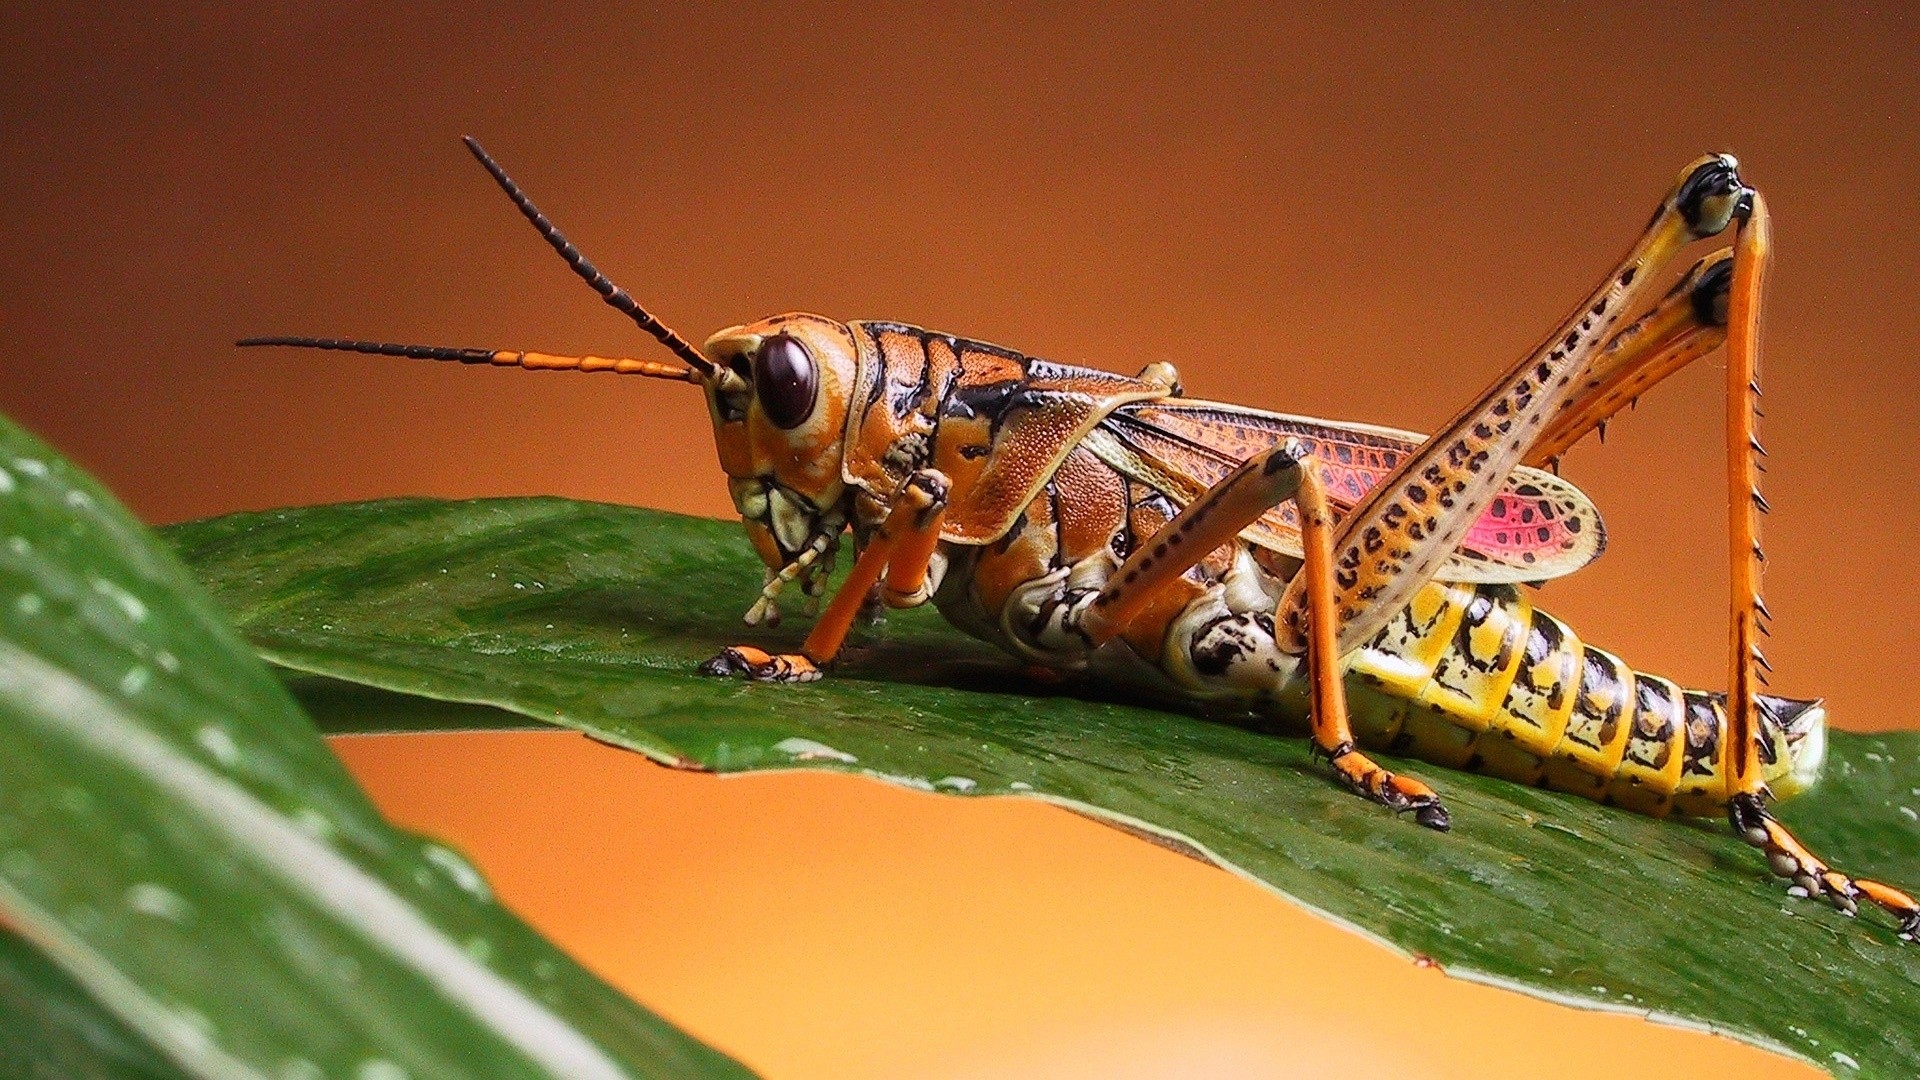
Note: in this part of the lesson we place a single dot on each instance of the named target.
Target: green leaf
(595, 616)
(179, 843)
(50, 1028)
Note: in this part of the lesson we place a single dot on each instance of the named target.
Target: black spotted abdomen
(1475, 677)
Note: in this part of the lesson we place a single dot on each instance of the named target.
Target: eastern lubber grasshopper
(1363, 576)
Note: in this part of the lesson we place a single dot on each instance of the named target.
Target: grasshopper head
(778, 396)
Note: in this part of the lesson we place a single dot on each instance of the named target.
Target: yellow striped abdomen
(1475, 677)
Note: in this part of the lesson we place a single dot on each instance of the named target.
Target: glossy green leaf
(595, 616)
(178, 842)
(51, 1030)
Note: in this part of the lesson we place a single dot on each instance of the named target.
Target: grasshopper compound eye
(785, 379)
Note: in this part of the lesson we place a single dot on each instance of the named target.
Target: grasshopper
(1364, 576)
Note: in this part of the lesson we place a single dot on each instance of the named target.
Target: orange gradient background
(1359, 215)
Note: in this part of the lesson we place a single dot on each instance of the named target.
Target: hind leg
(1717, 303)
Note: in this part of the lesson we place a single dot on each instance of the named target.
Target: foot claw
(1397, 793)
(761, 666)
(1811, 877)
(1433, 815)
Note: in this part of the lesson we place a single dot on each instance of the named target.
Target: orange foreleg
(899, 549)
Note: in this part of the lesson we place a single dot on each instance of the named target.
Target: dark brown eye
(785, 379)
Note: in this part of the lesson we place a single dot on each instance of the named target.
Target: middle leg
(1216, 518)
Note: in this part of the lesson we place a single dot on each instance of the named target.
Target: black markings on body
(1059, 558)
(1602, 697)
(1651, 743)
(1703, 735)
(1231, 639)
(1005, 543)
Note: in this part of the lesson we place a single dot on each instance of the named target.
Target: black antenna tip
(612, 294)
(376, 348)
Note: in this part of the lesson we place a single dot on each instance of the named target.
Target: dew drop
(956, 783)
(809, 750)
(1020, 785)
(135, 680)
(300, 1069)
(215, 741)
(313, 823)
(1842, 1059)
(29, 604)
(168, 662)
(1909, 813)
(379, 1069)
(19, 545)
(480, 949)
(31, 467)
(148, 898)
(79, 500)
(129, 604)
(6, 482)
(460, 870)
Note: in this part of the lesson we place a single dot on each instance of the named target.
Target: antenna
(653, 369)
(615, 296)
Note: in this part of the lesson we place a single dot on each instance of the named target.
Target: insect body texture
(1367, 581)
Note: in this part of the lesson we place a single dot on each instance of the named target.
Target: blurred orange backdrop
(1359, 215)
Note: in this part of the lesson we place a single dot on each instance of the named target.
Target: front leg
(900, 549)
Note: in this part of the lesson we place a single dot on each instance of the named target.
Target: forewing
(998, 423)
(1539, 527)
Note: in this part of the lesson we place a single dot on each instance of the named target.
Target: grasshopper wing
(1539, 527)
(996, 422)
